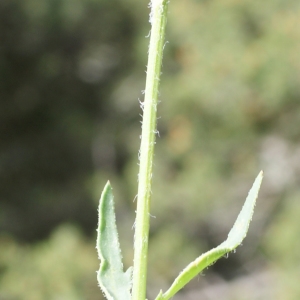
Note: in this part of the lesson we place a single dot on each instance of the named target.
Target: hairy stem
(158, 17)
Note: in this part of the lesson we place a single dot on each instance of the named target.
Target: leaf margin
(235, 237)
(113, 281)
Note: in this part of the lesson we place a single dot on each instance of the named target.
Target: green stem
(158, 19)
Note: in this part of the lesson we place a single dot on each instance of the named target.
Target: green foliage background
(71, 76)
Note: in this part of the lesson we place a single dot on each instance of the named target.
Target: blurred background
(72, 74)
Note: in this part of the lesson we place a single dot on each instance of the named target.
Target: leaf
(115, 284)
(235, 238)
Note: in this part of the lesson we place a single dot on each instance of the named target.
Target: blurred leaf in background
(63, 267)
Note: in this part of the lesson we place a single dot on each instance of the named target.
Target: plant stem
(158, 17)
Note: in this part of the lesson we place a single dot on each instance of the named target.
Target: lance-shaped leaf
(235, 238)
(115, 284)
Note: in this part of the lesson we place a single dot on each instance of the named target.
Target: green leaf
(235, 238)
(115, 284)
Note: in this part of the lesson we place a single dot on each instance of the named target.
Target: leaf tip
(108, 185)
(258, 180)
